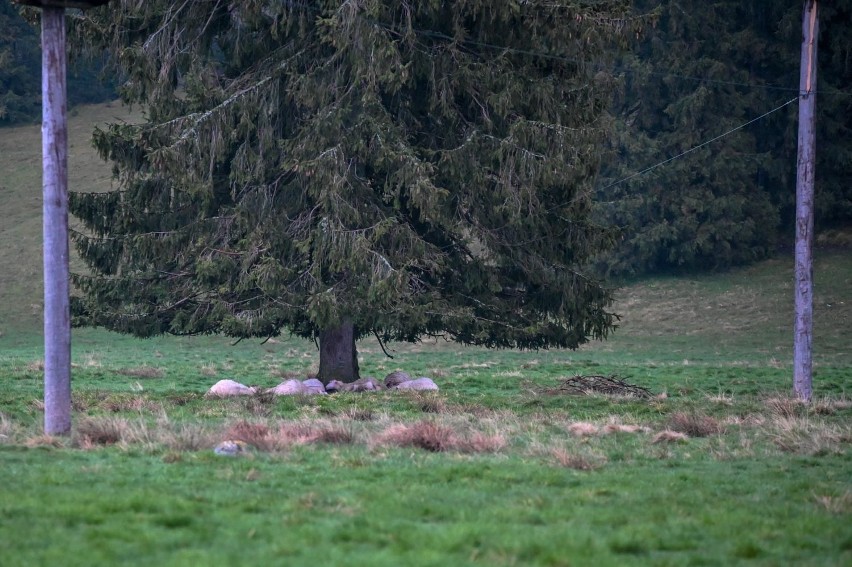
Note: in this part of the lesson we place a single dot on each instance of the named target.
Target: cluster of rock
(394, 381)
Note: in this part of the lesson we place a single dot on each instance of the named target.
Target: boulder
(396, 378)
(290, 387)
(366, 384)
(422, 383)
(313, 386)
(227, 388)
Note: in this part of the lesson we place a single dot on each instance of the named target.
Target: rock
(313, 386)
(366, 384)
(290, 387)
(396, 378)
(226, 388)
(231, 448)
(418, 384)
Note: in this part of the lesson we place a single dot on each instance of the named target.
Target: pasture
(718, 466)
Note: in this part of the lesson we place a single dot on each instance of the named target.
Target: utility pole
(54, 145)
(804, 287)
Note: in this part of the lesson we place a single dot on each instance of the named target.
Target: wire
(701, 145)
(596, 65)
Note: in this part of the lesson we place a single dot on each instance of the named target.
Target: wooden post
(54, 136)
(804, 291)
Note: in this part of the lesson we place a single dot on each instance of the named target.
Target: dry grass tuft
(785, 406)
(669, 436)
(422, 434)
(44, 441)
(695, 424)
(621, 428)
(334, 435)
(479, 442)
(429, 404)
(8, 429)
(306, 432)
(142, 372)
(187, 437)
(839, 505)
(209, 370)
(261, 404)
(828, 406)
(722, 399)
(803, 436)
(255, 434)
(576, 461)
(91, 432)
(583, 429)
(359, 414)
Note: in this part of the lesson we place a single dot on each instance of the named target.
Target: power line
(701, 145)
(596, 65)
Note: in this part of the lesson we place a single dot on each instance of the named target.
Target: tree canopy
(704, 69)
(411, 168)
(20, 70)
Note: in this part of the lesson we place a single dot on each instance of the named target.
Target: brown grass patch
(785, 406)
(583, 429)
(426, 435)
(142, 372)
(828, 406)
(99, 431)
(576, 461)
(255, 434)
(695, 424)
(307, 432)
(668, 436)
(478, 442)
(612, 428)
(44, 441)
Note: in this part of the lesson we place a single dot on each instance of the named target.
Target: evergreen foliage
(20, 71)
(708, 67)
(410, 167)
(20, 67)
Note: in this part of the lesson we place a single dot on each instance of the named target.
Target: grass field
(719, 466)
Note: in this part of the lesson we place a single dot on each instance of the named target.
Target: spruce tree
(344, 169)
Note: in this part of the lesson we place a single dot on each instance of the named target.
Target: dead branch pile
(604, 385)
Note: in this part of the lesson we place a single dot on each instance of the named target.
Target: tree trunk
(54, 135)
(338, 356)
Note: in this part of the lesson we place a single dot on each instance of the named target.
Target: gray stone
(396, 378)
(422, 383)
(227, 388)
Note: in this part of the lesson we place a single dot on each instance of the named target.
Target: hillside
(744, 314)
(20, 205)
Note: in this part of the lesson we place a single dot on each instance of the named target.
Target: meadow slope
(718, 465)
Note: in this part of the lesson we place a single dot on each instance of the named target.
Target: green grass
(356, 480)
